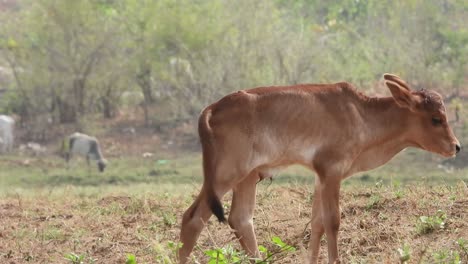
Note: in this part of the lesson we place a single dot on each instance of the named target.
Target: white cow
(7, 124)
(87, 146)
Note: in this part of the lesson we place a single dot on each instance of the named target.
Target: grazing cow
(78, 143)
(330, 128)
(7, 125)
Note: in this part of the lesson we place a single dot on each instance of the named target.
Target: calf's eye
(436, 121)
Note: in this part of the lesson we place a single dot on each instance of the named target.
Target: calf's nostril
(457, 148)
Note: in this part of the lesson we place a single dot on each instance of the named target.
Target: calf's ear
(396, 79)
(401, 95)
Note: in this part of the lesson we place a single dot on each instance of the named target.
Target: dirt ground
(376, 222)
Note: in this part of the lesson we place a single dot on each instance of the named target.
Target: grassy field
(51, 214)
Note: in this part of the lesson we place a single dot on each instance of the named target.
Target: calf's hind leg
(194, 220)
(241, 215)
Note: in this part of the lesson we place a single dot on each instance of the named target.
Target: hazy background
(137, 73)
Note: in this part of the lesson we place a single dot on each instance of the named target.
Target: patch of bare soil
(376, 222)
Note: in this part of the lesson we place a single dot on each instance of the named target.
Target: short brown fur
(330, 128)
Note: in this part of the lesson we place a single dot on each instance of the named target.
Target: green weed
(169, 219)
(404, 253)
(79, 259)
(446, 257)
(225, 255)
(397, 190)
(53, 233)
(463, 245)
(374, 202)
(428, 224)
(131, 259)
(228, 255)
(279, 252)
(166, 254)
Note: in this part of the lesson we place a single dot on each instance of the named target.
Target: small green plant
(225, 255)
(166, 254)
(131, 259)
(174, 246)
(453, 197)
(405, 253)
(379, 184)
(280, 251)
(397, 190)
(373, 202)
(169, 219)
(228, 255)
(75, 258)
(53, 233)
(399, 193)
(446, 257)
(428, 224)
(463, 244)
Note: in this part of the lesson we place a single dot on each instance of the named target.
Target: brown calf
(330, 128)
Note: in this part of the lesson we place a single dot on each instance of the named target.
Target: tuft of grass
(136, 206)
(428, 224)
(169, 219)
(54, 233)
(228, 255)
(445, 256)
(278, 253)
(75, 258)
(166, 254)
(397, 190)
(131, 259)
(404, 253)
(79, 259)
(463, 245)
(225, 255)
(374, 201)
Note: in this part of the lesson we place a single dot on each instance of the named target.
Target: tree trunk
(145, 112)
(144, 81)
(109, 103)
(67, 112)
(79, 94)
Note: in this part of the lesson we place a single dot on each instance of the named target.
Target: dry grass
(104, 228)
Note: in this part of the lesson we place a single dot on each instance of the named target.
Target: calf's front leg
(317, 229)
(330, 208)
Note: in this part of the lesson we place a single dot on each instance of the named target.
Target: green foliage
(174, 246)
(463, 245)
(167, 254)
(374, 201)
(131, 259)
(229, 255)
(404, 253)
(399, 193)
(428, 224)
(79, 259)
(74, 258)
(446, 257)
(225, 255)
(280, 251)
(169, 218)
(397, 190)
(73, 58)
